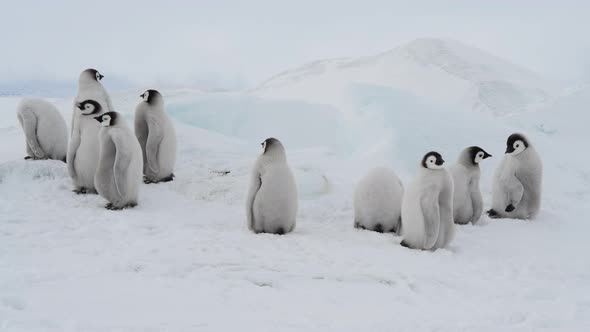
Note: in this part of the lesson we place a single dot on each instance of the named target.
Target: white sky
(235, 44)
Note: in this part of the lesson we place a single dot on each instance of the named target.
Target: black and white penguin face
(146, 96)
(89, 106)
(478, 154)
(91, 74)
(108, 119)
(151, 96)
(433, 160)
(515, 144)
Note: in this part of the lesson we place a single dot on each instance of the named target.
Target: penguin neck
(86, 84)
(273, 157)
(467, 162)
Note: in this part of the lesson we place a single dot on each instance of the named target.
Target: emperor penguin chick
(118, 175)
(467, 199)
(271, 205)
(517, 184)
(378, 201)
(427, 207)
(157, 138)
(83, 149)
(90, 88)
(46, 132)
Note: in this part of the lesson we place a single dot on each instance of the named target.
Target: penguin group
(104, 156)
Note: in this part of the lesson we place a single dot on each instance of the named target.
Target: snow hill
(441, 71)
(183, 260)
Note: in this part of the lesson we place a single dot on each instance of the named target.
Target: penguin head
(89, 106)
(272, 146)
(433, 160)
(477, 154)
(107, 119)
(91, 74)
(151, 96)
(516, 143)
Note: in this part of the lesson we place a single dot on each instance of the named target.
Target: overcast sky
(236, 44)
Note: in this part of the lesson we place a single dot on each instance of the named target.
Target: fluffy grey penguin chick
(271, 205)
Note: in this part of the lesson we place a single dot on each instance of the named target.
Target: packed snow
(183, 259)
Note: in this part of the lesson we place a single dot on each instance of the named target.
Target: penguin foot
(80, 191)
(404, 244)
(64, 160)
(110, 206)
(147, 181)
(510, 208)
(378, 228)
(493, 214)
(33, 158)
(280, 231)
(28, 157)
(168, 178)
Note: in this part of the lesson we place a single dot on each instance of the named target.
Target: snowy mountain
(443, 72)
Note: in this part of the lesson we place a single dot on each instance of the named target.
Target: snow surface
(183, 260)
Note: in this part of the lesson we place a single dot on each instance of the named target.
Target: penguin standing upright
(82, 154)
(157, 138)
(467, 199)
(518, 180)
(83, 149)
(271, 205)
(118, 175)
(427, 207)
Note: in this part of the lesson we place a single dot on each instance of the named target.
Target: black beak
(79, 106)
(509, 149)
(141, 95)
(98, 118)
(486, 155)
(100, 77)
(440, 162)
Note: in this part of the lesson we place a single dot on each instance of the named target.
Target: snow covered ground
(183, 260)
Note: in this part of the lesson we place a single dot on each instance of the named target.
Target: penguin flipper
(122, 161)
(255, 184)
(152, 145)
(29, 123)
(431, 213)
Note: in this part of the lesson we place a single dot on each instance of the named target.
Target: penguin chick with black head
(517, 181)
(467, 199)
(157, 138)
(427, 206)
(118, 175)
(82, 155)
(271, 205)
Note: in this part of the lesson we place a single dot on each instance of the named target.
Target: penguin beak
(440, 162)
(142, 95)
(79, 106)
(98, 118)
(486, 155)
(100, 76)
(509, 149)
